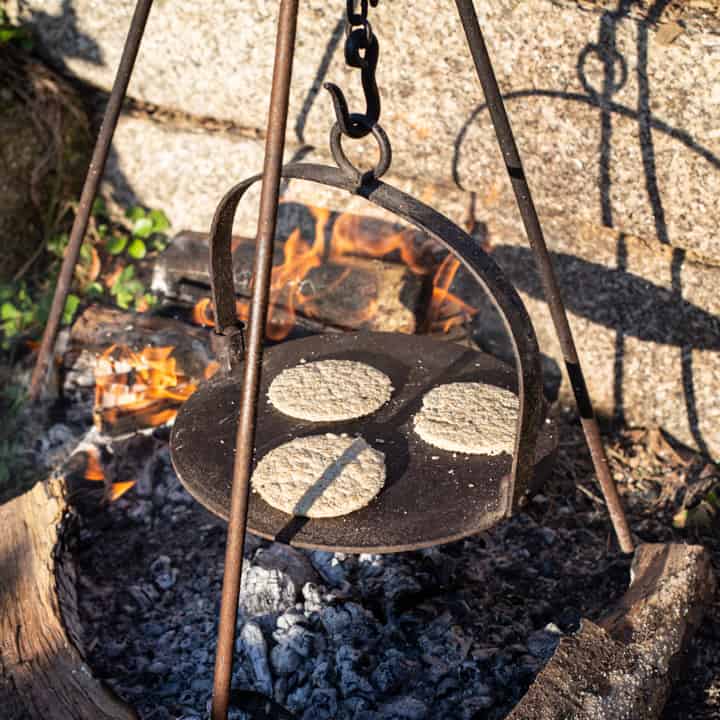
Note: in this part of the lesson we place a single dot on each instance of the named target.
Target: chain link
(361, 51)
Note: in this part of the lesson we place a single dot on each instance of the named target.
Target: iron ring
(348, 168)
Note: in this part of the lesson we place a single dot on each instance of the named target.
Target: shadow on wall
(65, 24)
(638, 308)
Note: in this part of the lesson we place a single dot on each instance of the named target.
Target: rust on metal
(245, 439)
(551, 288)
(89, 192)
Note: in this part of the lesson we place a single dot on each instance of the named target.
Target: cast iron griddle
(430, 496)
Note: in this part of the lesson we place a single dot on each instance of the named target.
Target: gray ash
(457, 632)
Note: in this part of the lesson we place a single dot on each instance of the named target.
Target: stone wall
(617, 114)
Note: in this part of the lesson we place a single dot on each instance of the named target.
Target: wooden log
(99, 328)
(351, 292)
(43, 675)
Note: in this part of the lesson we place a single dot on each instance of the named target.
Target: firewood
(137, 397)
(43, 675)
(348, 292)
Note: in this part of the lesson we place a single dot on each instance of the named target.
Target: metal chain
(359, 20)
(361, 51)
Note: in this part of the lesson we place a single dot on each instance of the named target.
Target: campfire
(148, 385)
(327, 277)
(139, 386)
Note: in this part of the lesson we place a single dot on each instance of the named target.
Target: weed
(107, 270)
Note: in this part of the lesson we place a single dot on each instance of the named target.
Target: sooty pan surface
(431, 496)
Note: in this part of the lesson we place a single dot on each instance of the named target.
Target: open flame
(446, 309)
(292, 293)
(147, 385)
(135, 390)
(95, 473)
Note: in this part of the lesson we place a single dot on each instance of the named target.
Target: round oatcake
(320, 476)
(469, 417)
(330, 390)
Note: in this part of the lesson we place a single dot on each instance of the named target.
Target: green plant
(145, 233)
(107, 268)
(13, 34)
(128, 291)
(19, 312)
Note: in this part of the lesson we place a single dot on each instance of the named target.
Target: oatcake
(330, 390)
(472, 418)
(320, 476)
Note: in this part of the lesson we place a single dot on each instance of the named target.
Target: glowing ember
(291, 292)
(118, 489)
(93, 469)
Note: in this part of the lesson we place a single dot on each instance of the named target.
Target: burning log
(313, 292)
(339, 270)
(142, 367)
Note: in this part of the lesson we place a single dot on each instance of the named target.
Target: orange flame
(147, 384)
(118, 489)
(93, 468)
(446, 309)
(94, 472)
(290, 293)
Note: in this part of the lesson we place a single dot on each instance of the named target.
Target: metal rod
(87, 198)
(509, 149)
(245, 439)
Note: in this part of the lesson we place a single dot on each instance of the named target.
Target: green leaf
(137, 249)
(135, 213)
(134, 286)
(159, 220)
(143, 227)
(94, 289)
(158, 243)
(71, 306)
(58, 243)
(116, 244)
(8, 311)
(85, 252)
(10, 329)
(99, 207)
(124, 299)
(127, 274)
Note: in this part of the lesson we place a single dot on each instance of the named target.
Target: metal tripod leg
(92, 182)
(509, 149)
(245, 439)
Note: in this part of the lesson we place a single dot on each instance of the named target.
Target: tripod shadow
(666, 314)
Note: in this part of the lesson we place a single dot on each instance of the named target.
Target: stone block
(617, 118)
(623, 667)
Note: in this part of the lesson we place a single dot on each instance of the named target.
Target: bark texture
(42, 671)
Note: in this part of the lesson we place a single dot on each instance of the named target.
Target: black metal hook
(357, 125)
